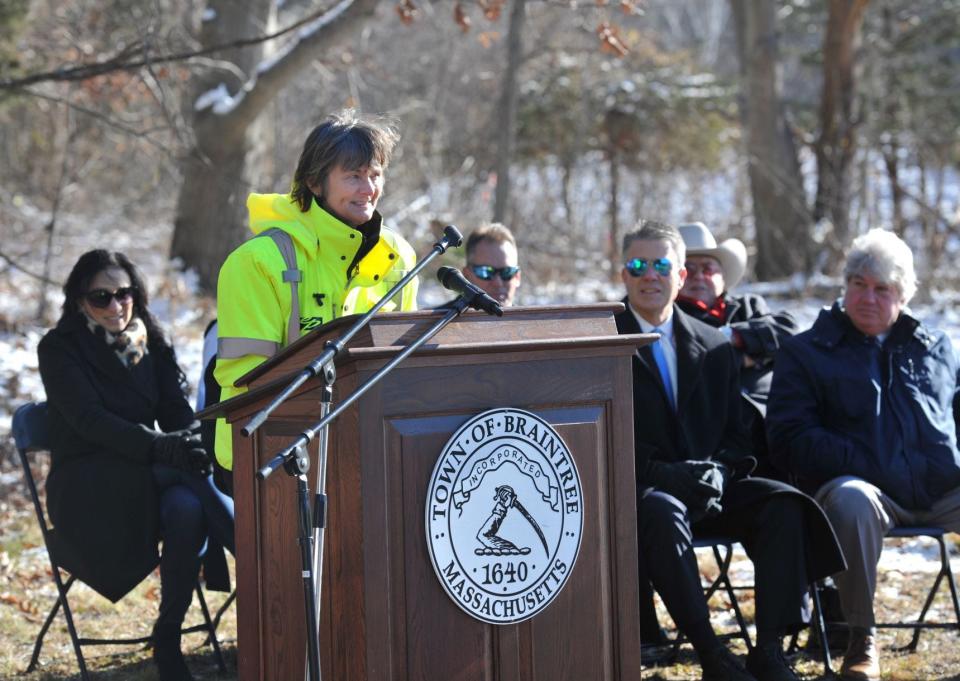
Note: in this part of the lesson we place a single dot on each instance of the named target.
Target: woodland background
(141, 125)
(792, 124)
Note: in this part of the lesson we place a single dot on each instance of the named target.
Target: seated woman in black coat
(127, 469)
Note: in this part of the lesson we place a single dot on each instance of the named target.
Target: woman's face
(111, 286)
(352, 195)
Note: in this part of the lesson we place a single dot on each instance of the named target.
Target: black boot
(767, 663)
(719, 664)
(167, 654)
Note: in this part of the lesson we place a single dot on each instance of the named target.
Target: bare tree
(210, 209)
(780, 211)
(507, 114)
(838, 116)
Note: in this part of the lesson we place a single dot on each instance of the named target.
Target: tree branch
(137, 55)
(328, 32)
(17, 266)
(145, 135)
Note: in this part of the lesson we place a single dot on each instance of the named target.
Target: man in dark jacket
(861, 411)
(692, 455)
(713, 271)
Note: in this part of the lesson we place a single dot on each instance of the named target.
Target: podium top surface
(520, 328)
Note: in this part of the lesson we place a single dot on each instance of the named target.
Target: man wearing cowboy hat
(713, 270)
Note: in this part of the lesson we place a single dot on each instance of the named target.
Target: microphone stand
(296, 462)
(290, 452)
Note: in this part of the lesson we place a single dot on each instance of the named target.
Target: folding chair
(722, 549)
(819, 627)
(945, 573)
(30, 434)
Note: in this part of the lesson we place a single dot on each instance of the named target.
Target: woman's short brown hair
(345, 139)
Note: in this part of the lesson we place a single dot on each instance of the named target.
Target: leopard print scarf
(130, 345)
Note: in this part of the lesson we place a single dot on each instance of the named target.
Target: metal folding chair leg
(222, 609)
(723, 560)
(723, 580)
(62, 590)
(818, 624)
(945, 573)
(211, 631)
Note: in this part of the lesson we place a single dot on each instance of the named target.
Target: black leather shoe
(767, 663)
(722, 665)
(653, 655)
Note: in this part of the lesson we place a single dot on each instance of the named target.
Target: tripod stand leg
(309, 590)
(320, 509)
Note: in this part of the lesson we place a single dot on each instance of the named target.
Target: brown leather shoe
(861, 661)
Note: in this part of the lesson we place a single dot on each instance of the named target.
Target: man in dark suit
(692, 460)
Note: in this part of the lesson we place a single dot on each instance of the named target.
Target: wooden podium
(384, 614)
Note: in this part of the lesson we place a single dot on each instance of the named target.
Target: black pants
(770, 529)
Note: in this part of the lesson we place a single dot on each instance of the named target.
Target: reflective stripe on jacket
(254, 301)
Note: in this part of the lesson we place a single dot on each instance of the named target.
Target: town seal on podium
(504, 515)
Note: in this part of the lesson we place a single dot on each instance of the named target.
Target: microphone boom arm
(306, 436)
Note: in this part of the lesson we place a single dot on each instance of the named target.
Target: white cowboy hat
(731, 254)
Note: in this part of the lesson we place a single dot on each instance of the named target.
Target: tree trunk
(890, 146)
(613, 248)
(507, 114)
(780, 213)
(567, 167)
(838, 118)
(210, 219)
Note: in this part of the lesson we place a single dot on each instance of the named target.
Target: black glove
(182, 449)
(698, 484)
(738, 465)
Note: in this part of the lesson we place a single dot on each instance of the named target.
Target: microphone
(453, 280)
(452, 236)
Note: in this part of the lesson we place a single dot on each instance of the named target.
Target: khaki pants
(862, 515)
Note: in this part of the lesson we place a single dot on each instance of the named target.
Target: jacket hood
(368, 262)
(278, 210)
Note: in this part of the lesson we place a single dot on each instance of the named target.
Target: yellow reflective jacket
(254, 298)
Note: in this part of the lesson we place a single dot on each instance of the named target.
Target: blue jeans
(191, 509)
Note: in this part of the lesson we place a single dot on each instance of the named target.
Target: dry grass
(900, 596)
(27, 593)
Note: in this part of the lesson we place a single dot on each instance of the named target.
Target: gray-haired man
(861, 411)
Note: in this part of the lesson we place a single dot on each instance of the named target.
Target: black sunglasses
(488, 272)
(101, 297)
(637, 267)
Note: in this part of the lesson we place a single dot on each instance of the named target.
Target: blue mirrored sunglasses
(638, 267)
(488, 272)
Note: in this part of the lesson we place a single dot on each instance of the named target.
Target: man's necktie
(661, 360)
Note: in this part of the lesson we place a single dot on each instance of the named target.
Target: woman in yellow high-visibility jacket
(339, 258)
